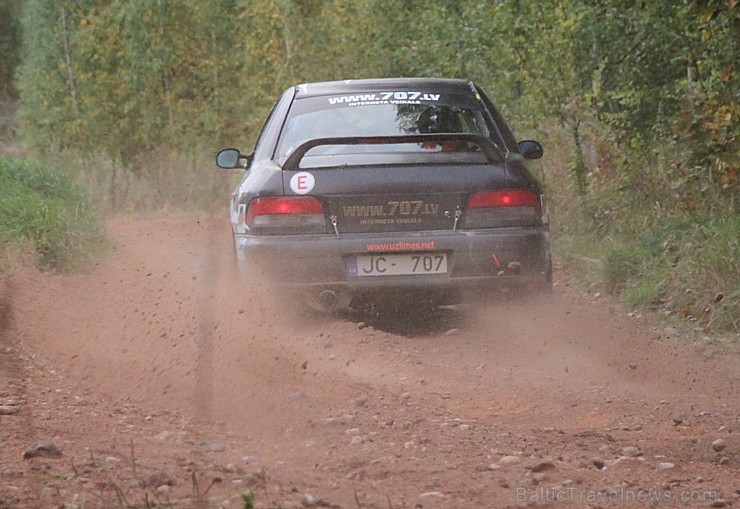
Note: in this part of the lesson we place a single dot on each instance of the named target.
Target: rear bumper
(477, 260)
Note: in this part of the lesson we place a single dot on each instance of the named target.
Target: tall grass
(54, 209)
(43, 207)
(169, 180)
(636, 233)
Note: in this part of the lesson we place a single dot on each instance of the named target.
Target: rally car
(407, 189)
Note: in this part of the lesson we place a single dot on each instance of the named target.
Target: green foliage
(9, 44)
(669, 259)
(126, 77)
(129, 76)
(39, 205)
(621, 268)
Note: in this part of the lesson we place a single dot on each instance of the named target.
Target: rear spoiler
(491, 151)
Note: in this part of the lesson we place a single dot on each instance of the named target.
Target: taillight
(286, 215)
(503, 207)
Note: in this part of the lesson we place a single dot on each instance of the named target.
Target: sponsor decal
(392, 209)
(392, 212)
(397, 97)
(401, 246)
(302, 182)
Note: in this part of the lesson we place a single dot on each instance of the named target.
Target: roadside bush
(633, 235)
(41, 205)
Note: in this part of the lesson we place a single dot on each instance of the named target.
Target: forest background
(112, 107)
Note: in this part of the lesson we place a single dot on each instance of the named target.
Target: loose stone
(718, 445)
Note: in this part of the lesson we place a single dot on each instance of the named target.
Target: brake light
(286, 214)
(503, 207)
(505, 198)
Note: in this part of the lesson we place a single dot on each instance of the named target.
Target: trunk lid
(395, 198)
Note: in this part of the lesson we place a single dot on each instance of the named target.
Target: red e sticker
(302, 182)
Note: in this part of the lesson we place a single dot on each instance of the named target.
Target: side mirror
(230, 158)
(530, 149)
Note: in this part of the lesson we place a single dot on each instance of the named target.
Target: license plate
(397, 264)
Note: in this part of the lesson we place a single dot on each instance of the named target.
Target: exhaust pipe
(329, 299)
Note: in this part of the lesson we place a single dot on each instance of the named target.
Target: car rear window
(391, 113)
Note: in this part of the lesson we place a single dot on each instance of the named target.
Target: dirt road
(163, 384)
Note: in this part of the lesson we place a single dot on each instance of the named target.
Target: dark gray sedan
(414, 190)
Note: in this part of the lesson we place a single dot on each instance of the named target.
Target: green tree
(9, 45)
